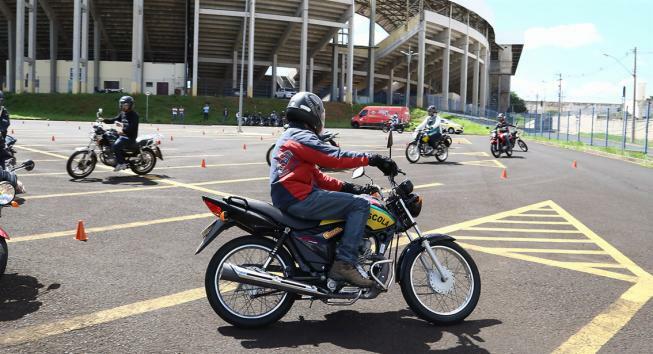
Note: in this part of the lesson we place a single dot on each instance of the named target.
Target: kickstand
(311, 304)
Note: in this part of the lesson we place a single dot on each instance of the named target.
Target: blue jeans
(119, 148)
(354, 209)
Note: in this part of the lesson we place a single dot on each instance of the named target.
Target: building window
(149, 84)
(112, 85)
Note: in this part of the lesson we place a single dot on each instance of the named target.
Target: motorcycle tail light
(215, 209)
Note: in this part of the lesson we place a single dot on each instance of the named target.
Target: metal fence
(605, 128)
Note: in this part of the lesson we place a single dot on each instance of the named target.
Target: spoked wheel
(146, 163)
(412, 152)
(385, 129)
(80, 164)
(246, 305)
(495, 150)
(509, 151)
(442, 152)
(400, 130)
(268, 155)
(4, 255)
(451, 131)
(438, 300)
(522, 145)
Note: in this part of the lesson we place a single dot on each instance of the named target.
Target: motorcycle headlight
(406, 187)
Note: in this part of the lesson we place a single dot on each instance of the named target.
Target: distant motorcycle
(328, 137)
(141, 157)
(420, 147)
(398, 127)
(498, 144)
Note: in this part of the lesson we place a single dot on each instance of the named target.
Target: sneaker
(120, 167)
(344, 271)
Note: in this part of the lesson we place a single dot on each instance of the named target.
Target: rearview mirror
(358, 173)
(7, 193)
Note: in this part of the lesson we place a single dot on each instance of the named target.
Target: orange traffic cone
(504, 174)
(81, 233)
(203, 164)
(574, 164)
(244, 146)
(53, 138)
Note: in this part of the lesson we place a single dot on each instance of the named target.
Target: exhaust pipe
(242, 275)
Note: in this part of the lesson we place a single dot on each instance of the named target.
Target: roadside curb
(641, 162)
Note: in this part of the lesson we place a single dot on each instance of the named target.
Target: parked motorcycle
(328, 137)
(515, 137)
(420, 147)
(141, 157)
(498, 144)
(7, 195)
(399, 127)
(253, 280)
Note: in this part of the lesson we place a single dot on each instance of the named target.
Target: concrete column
(274, 74)
(234, 70)
(421, 58)
(96, 55)
(11, 39)
(370, 52)
(343, 69)
(54, 35)
(84, 54)
(475, 78)
(311, 67)
(484, 80)
(446, 59)
(137, 47)
(31, 45)
(250, 50)
(334, 69)
(390, 90)
(350, 55)
(303, 51)
(20, 46)
(196, 37)
(463, 70)
(77, 25)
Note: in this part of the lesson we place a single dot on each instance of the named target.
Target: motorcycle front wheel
(433, 299)
(243, 305)
(80, 164)
(146, 163)
(4, 255)
(268, 155)
(495, 150)
(385, 129)
(412, 152)
(522, 145)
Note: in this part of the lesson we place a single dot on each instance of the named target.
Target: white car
(451, 127)
(285, 92)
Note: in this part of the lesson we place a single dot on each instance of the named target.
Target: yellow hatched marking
(548, 250)
(476, 153)
(531, 222)
(521, 239)
(461, 141)
(484, 163)
(541, 231)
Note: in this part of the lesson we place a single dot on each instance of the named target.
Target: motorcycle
(498, 144)
(7, 195)
(399, 127)
(515, 137)
(141, 157)
(253, 280)
(328, 137)
(420, 147)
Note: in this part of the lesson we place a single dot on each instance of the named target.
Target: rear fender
(212, 231)
(415, 247)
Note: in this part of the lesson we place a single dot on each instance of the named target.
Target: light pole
(633, 73)
(242, 66)
(409, 58)
(147, 104)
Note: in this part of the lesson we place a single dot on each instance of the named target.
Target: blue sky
(570, 37)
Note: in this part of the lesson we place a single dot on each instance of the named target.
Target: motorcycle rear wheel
(522, 145)
(442, 152)
(4, 255)
(420, 290)
(149, 161)
(412, 152)
(385, 129)
(508, 152)
(224, 295)
(83, 167)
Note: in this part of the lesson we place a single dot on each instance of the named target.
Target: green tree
(517, 104)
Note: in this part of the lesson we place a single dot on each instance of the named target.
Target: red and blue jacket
(294, 173)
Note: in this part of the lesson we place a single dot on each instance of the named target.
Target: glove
(353, 188)
(385, 164)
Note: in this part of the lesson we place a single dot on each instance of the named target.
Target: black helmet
(501, 117)
(306, 107)
(128, 100)
(432, 109)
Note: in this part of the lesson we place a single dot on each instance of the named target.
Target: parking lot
(563, 252)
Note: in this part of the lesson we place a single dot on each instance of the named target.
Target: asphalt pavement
(563, 252)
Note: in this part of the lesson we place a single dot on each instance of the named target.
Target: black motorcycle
(420, 147)
(398, 127)
(328, 137)
(253, 280)
(141, 156)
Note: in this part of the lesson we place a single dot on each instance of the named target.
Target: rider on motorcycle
(129, 120)
(503, 128)
(301, 189)
(432, 125)
(394, 121)
(4, 126)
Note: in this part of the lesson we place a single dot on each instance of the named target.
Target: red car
(377, 116)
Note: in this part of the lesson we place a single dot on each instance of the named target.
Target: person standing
(182, 113)
(205, 110)
(174, 113)
(225, 115)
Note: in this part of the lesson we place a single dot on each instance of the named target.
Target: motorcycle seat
(276, 214)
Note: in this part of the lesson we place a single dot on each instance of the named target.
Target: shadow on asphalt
(149, 180)
(448, 163)
(390, 332)
(19, 296)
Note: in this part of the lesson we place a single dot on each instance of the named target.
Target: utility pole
(632, 133)
(559, 101)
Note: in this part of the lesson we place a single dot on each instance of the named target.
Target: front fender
(414, 247)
